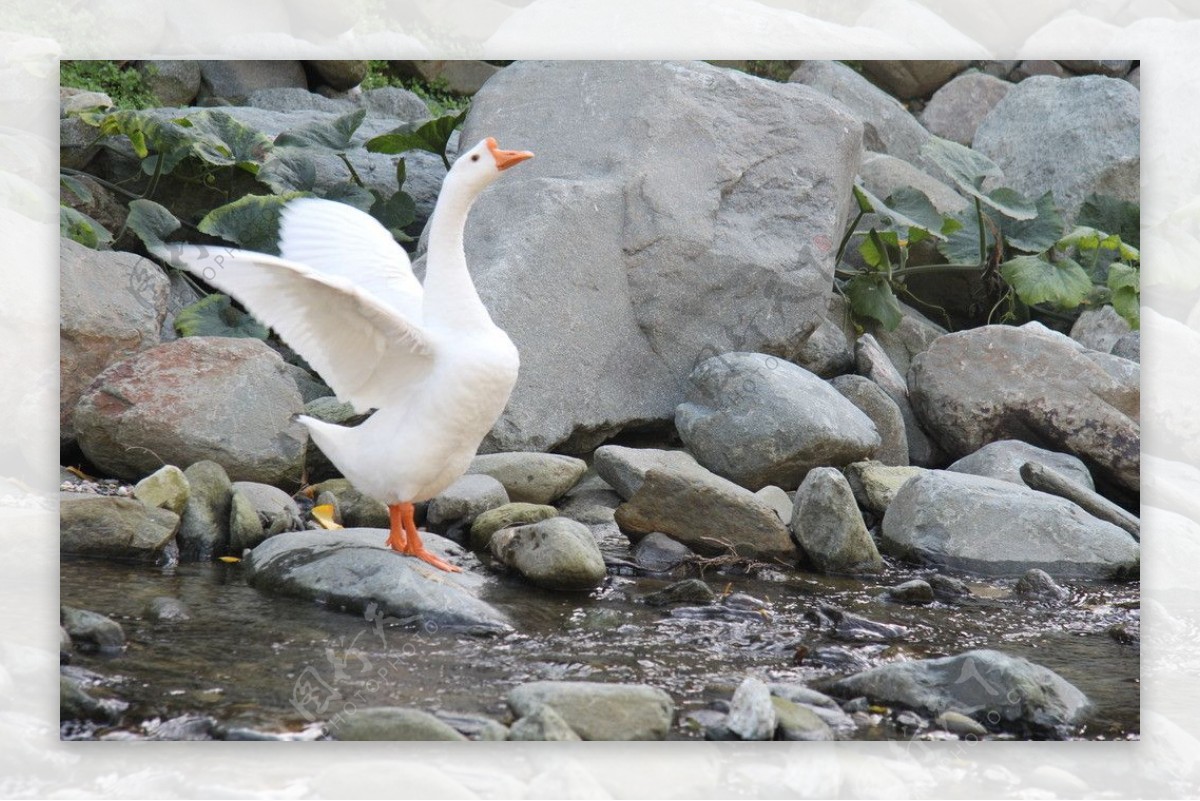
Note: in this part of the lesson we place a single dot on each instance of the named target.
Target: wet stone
(166, 609)
(542, 724)
(915, 592)
(390, 723)
(599, 710)
(751, 712)
(1038, 585)
(658, 553)
(848, 626)
(796, 722)
(688, 591)
(91, 631)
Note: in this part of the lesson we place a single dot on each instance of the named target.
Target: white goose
(429, 360)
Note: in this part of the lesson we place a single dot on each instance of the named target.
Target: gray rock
(600, 711)
(81, 101)
(475, 727)
(1099, 329)
(957, 723)
(1103, 156)
(916, 592)
(309, 385)
(91, 631)
(111, 306)
(659, 553)
(875, 484)
(487, 523)
(395, 103)
(231, 82)
(204, 526)
(1024, 695)
(276, 509)
(625, 468)
(1028, 386)
(829, 350)
(1111, 69)
(688, 591)
(1037, 584)
(797, 722)
(353, 570)
(758, 420)
(542, 724)
(777, 499)
(707, 513)
(591, 501)
(874, 364)
(76, 703)
(531, 477)
(887, 125)
(219, 398)
(390, 723)
(851, 627)
(955, 111)
(174, 83)
(948, 588)
(819, 704)
(1129, 347)
(909, 80)
(692, 250)
(77, 145)
(883, 174)
(463, 501)
(872, 401)
(993, 528)
(1003, 459)
(163, 608)
(165, 488)
(557, 554)
(751, 712)
(1032, 68)
(355, 509)
(113, 527)
(1043, 479)
(340, 75)
(460, 77)
(245, 528)
(295, 98)
(829, 527)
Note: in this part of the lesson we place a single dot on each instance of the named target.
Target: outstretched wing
(339, 240)
(368, 352)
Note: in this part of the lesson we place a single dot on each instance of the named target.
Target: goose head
(482, 164)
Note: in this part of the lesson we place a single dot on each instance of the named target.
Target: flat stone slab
(349, 569)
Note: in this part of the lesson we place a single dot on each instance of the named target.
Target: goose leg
(397, 536)
(411, 544)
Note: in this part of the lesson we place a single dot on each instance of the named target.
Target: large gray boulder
(955, 111)
(1071, 136)
(600, 711)
(111, 305)
(1099, 329)
(1004, 691)
(531, 477)
(887, 125)
(827, 523)
(353, 570)
(1003, 459)
(228, 400)
(994, 528)
(999, 382)
(625, 468)
(617, 261)
(757, 420)
(231, 82)
(872, 401)
(874, 363)
(709, 514)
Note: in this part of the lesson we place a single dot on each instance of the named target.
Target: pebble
(91, 631)
(543, 723)
(916, 592)
(689, 591)
(510, 514)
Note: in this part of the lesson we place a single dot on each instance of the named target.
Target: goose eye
(475, 157)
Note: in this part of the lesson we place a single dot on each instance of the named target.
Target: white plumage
(429, 359)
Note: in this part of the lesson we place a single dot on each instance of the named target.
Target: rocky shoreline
(717, 422)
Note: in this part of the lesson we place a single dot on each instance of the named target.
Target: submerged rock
(658, 553)
(390, 723)
(92, 631)
(910, 592)
(688, 591)
(980, 684)
(558, 554)
(351, 569)
(542, 724)
(204, 527)
(854, 628)
(113, 527)
(1037, 584)
(993, 528)
(600, 711)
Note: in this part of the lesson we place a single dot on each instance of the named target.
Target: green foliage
(1016, 246)
(152, 223)
(432, 136)
(436, 96)
(124, 85)
(83, 229)
(251, 221)
(216, 316)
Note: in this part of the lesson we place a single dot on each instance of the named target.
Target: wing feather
(368, 352)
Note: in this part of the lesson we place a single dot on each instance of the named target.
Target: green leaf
(1084, 239)
(216, 316)
(152, 224)
(76, 187)
(223, 141)
(289, 169)
(83, 229)
(351, 194)
(251, 221)
(1125, 283)
(962, 243)
(969, 169)
(1107, 213)
(1038, 234)
(335, 135)
(395, 213)
(870, 295)
(862, 199)
(1035, 280)
(913, 211)
(874, 250)
(432, 136)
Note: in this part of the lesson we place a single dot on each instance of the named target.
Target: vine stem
(845, 238)
(982, 234)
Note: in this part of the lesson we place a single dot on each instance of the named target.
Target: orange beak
(506, 158)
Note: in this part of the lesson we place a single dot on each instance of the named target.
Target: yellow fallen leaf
(323, 514)
(75, 471)
(229, 559)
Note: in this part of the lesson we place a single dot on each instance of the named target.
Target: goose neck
(450, 295)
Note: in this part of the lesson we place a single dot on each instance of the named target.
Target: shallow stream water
(254, 663)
